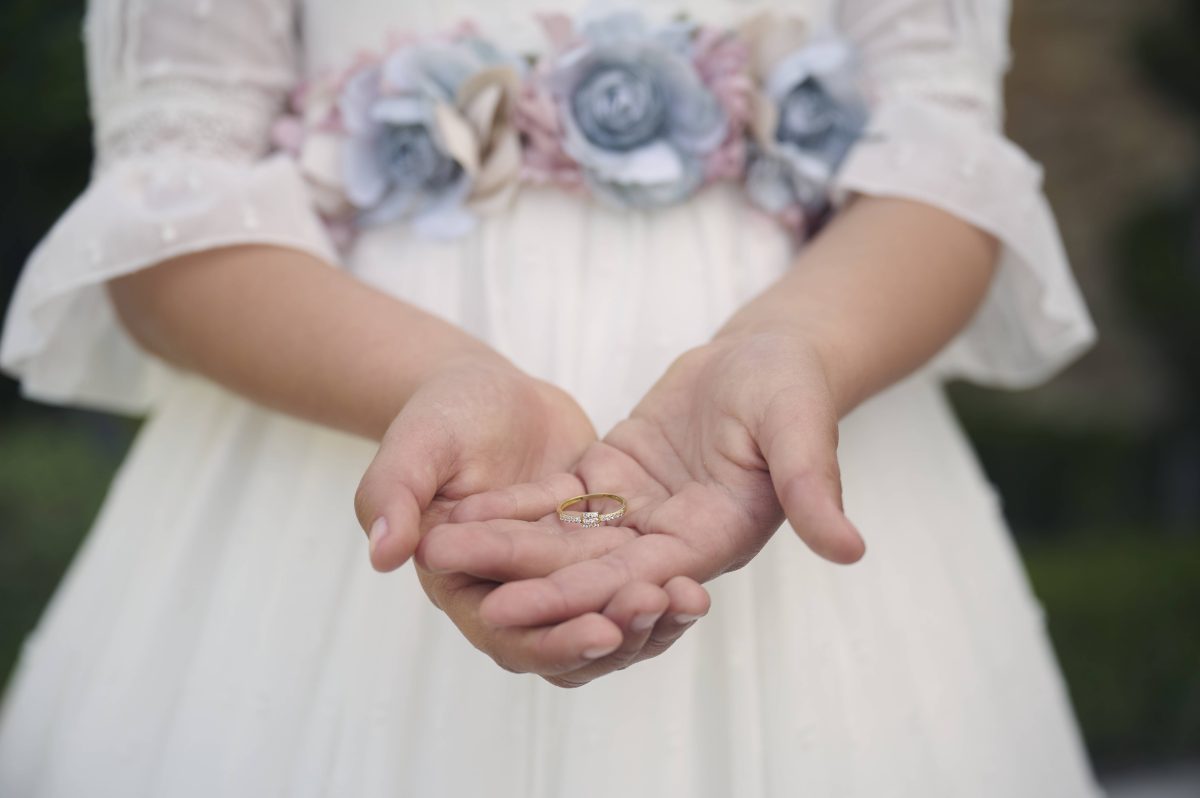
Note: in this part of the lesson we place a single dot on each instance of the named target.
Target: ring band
(591, 518)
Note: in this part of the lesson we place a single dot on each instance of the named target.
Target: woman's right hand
(475, 422)
(479, 424)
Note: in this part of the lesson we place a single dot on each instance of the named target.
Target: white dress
(221, 632)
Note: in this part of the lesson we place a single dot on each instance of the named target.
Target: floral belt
(438, 131)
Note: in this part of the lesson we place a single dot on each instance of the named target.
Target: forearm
(288, 331)
(884, 287)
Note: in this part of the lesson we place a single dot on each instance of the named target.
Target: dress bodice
(185, 94)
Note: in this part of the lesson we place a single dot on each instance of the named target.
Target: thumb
(799, 441)
(413, 462)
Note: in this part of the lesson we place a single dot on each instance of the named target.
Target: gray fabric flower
(427, 130)
(637, 117)
(811, 115)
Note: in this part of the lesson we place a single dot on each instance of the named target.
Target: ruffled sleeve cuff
(62, 339)
(1033, 320)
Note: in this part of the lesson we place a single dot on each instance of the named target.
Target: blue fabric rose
(636, 114)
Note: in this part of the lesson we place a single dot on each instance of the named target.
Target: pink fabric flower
(545, 161)
(722, 60)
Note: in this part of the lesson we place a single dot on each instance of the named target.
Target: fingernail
(378, 532)
(644, 621)
(598, 652)
(685, 618)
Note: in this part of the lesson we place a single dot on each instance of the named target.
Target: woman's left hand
(736, 435)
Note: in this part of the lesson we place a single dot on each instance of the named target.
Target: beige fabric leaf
(502, 169)
(770, 38)
(486, 80)
(498, 200)
(457, 137)
(764, 117)
(321, 158)
(504, 77)
(321, 165)
(483, 109)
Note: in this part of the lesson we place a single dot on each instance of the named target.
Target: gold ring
(591, 518)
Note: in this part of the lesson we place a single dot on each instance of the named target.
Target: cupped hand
(736, 436)
(477, 425)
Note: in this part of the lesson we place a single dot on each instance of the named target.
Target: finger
(545, 650)
(503, 550)
(560, 648)
(800, 447)
(688, 602)
(526, 502)
(650, 628)
(608, 469)
(413, 461)
(635, 608)
(588, 585)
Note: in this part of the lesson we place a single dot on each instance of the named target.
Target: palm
(692, 462)
(690, 501)
(475, 429)
(476, 426)
(542, 431)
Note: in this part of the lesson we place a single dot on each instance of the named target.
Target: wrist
(425, 361)
(810, 348)
(463, 352)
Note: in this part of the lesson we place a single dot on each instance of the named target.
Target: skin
(740, 432)
(453, 417)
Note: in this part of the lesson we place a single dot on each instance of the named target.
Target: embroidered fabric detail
(187, 118)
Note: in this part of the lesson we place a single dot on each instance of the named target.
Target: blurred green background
(1100, 470)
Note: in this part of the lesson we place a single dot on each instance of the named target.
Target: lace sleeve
(187, 77)
(183, 96)
(935, 69)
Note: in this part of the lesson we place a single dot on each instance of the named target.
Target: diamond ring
(590, 518)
